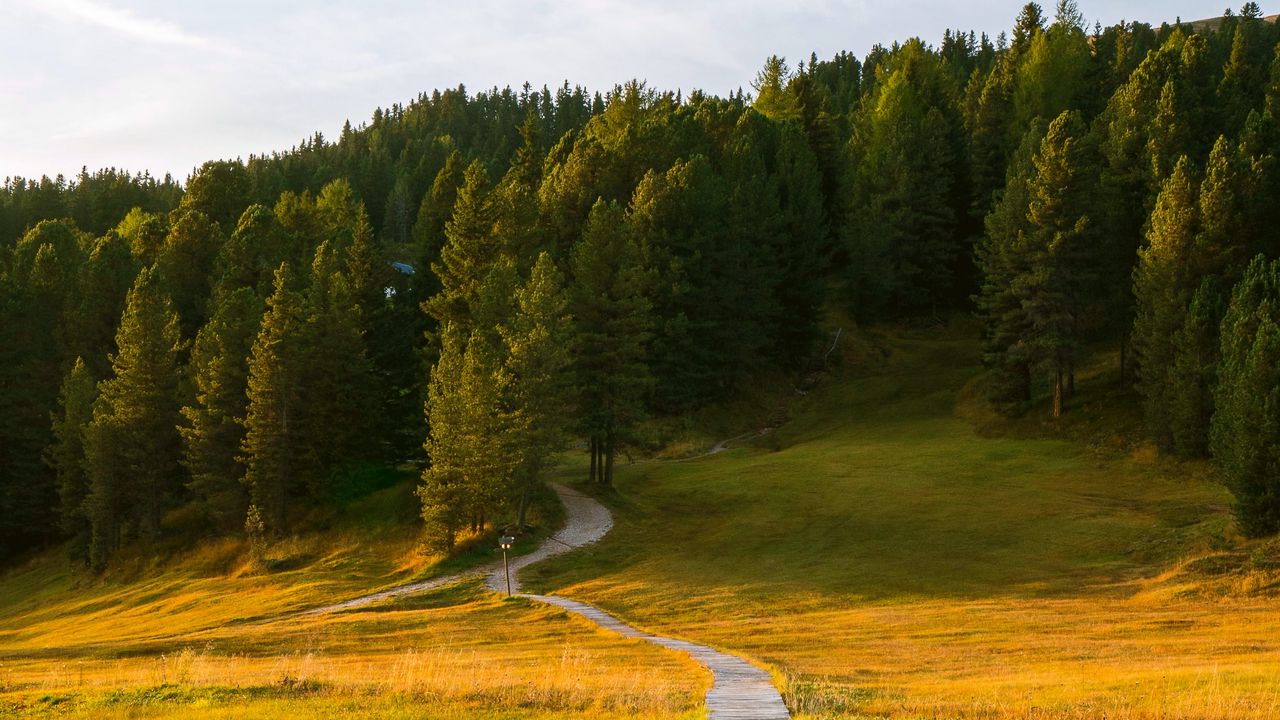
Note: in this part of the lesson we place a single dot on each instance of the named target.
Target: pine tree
(67, 456)
(441, 491)
(469, 251)
(437, 208)
(901, 239)
(103, 284)
(1060, 237)
(37, 294)
(800, 251)
(1246, 423)
(772, 98)
(145, 232)
(274, 454)
(184, 262)
(219, 190)
(536, 393)
(336, 426)
(1162, 291)
(1004, 256)
(472, 461)
(1193, 374)
(132, 445)
(249, 257)
(613, 325)
(214, 429)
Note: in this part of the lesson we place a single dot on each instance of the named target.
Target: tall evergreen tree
(1004, 257)
(1061, 241)
(538, 352)
(67, 456)
(37, 293)
(214, 430)
(276, 459)
(1162, 290)
(1246, 424)
(132, 447)
(104, 282)
(613, 324)
(336, 422)
(469, 251)
(184, 264)
(902, 238)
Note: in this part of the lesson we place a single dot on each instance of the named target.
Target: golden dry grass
(206, 633)
(458, 648)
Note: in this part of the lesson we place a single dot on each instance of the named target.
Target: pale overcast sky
(163, 85)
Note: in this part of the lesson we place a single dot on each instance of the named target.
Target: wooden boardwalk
(740, 690)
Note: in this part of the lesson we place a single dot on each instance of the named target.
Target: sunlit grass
(457, 648)
(887, 560)
(208, 633)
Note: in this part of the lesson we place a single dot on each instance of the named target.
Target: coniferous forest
(478, 280)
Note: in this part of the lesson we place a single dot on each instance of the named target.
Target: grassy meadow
(891, 550)
(208, 633)
(896, 552)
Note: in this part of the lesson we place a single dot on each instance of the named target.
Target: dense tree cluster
(536, 266)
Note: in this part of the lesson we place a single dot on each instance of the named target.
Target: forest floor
(891, 550)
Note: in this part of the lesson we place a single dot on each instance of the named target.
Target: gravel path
(586, 521)
(739, 690)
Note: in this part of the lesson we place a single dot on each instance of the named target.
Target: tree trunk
(1057, 393)
(1071, 383)
(608, 460)
(524, 507)
(1124, 344)
(593, 446)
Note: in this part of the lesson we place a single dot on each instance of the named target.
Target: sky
(163, 85)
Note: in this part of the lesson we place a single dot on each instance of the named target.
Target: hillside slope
(878, 552)
(888, 561)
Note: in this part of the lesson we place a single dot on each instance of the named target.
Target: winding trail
(739, 690)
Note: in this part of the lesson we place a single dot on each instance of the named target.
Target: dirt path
(739, 691)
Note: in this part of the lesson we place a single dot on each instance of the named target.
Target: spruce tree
(1246, 423)
(184, 264)
(441, 490)
(37, 293)
(274, 452)
(336, 421)
(901, 239)
(1061, 273)
(469, 445)
(103, 284)
(132, 447)
(613, 325)
(538, 349)
(1193, 374)
(437, 209)
(67, 456)
(214, 428)
(469, 252)
(1004, 256)
(1162, 291)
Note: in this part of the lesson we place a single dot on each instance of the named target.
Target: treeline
(1146, 222)
(537, 266)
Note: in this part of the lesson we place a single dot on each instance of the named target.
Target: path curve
(739, 690)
